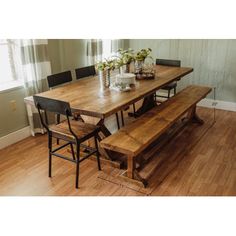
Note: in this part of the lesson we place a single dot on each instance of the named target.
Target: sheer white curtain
(31, 62)
(94, 51)
(98, 49)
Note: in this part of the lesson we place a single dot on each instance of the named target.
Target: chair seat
(82, 130)
(170, 86)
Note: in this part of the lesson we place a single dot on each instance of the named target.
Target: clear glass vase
(149, 67)
(122, 70)
(138, 67)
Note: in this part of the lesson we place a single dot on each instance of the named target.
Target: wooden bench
(132, 139)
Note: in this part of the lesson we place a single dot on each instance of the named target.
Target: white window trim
(11, 86)
(14, 83)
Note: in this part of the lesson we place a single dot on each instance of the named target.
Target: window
(106, 48)
(110, 47)
(8, 77)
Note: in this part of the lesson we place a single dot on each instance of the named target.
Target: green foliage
(108, 64)
(142, 54)
(126, 56)
(118, 62)
(101, 65)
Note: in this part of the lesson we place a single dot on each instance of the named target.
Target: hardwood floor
(200, 161)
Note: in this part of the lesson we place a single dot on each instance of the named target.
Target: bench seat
(132, 139)
(136, 136)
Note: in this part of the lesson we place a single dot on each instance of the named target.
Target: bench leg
(130, 167)
(132, 173)
(193, 116)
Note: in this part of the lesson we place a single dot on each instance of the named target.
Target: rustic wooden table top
(86, 97)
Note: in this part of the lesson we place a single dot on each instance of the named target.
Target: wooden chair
(71, 131)
(85, 72)
(173, 85)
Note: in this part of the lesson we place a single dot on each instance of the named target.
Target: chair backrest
(59, 78)
(167, 62)
(85, 72)
(52, 105)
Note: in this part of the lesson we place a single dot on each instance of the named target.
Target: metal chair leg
(58, 121)
(50, 156)
(98, 154)
(77, 165)
(72, 151)
(122, 118)
(169, 93)
(134, 108)
(117, 121)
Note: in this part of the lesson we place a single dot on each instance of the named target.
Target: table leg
(30, 118)
(106, 155)
(148, 103)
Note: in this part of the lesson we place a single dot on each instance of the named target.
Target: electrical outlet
(13, 105)
(214, 104)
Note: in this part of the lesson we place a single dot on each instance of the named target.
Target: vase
(127, 68)
(138, 67)
(104, 78)
(108, 78)
(122, 70)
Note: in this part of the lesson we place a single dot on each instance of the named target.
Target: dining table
(95, 103)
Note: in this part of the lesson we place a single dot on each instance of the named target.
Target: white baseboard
(210, 103)
(14, 137)
(222, 105)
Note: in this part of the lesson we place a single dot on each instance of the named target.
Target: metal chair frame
(168, 62)
(58, 79)
(85, 72)
(63, 108)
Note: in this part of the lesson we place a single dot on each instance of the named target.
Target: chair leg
(98, 154)
(58, 121)
(117, 121)
(50, 156)
(72, 151)
(134, 108)
(174, 90)
(169, 93)
(77, 165)
(122, 118)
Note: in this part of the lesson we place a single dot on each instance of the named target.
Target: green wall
(11, 121)
(213, 61)
(64, 54)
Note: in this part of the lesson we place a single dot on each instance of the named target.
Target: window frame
(13, 82)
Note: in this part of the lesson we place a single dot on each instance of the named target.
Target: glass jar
(138, 67)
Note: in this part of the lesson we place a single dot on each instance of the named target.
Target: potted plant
(140, 57)
(126, 56)
(105, 68)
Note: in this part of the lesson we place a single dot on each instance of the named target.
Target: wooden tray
(145, 76)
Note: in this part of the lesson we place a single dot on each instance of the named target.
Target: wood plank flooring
(201, 161)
